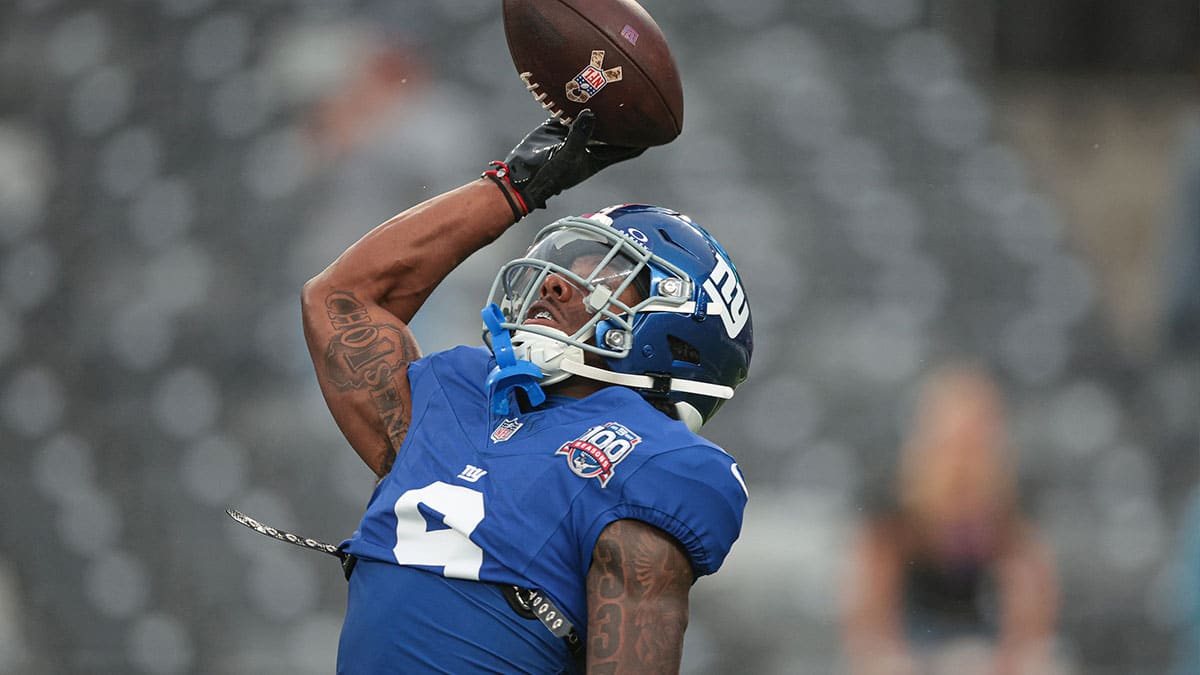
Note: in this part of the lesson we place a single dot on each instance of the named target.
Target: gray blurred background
(900, 182)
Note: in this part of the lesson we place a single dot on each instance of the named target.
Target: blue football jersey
(521, 499)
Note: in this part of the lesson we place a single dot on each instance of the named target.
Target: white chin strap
(547, 353)
(559, 360)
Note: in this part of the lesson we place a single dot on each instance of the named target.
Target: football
(606, 55)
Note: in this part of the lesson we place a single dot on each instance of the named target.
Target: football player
(544, 502)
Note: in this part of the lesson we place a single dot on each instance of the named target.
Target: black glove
(553, 158)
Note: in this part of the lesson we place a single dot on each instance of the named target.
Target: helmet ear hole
(682, 350)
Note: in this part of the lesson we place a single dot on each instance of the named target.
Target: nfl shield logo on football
(599, 450)
(506, 430)
(591, 80)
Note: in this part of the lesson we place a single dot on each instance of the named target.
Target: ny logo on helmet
(728, 300)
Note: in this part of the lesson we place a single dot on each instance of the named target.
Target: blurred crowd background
(904, 184)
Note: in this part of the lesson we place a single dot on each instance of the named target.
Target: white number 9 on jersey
(452, 549)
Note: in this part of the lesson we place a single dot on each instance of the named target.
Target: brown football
(606, 55)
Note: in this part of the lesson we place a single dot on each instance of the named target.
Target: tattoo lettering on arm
(637, 600)
(366, 355)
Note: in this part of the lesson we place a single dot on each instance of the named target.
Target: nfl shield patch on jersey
(506, 429)
(599, 450)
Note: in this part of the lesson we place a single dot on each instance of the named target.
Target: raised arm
(872, 628)
(356, 311)
(1029, 599)
(637, 590)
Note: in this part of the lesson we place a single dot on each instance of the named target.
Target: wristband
(499, 175)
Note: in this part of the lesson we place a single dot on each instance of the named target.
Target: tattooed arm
(637, 590)
(356, 311)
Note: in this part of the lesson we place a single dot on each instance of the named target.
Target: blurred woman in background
(951, 578)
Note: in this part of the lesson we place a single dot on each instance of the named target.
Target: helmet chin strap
(687, 413)
(547, 353)
(559, 360)
(645, 381)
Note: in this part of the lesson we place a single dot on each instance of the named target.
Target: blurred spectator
(380, 78)
(951, 578)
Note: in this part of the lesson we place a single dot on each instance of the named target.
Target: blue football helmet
(688, 338)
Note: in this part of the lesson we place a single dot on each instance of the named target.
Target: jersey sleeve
(695, 494)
